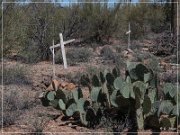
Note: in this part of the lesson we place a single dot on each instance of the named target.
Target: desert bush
(165, 44)
(107, 53)
(74, 77)
(141, 56)
(91, 22)
(74, 56)
(39, 125)
(118, 49)
(15, 75)
(91, 70)
(29, 54)
(119, 62)
(157, 19)
(79, 55)
(14, 105)
(58, 57)
(169, 77)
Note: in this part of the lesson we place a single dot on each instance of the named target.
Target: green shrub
(29, 27)
(156, 20)
(30, 54)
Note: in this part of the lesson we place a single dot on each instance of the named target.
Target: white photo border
(77, 3)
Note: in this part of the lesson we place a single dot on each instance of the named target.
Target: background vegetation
(29, 28)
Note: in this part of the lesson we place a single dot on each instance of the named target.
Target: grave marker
(62, 43)
(53, 60)
(129, 36)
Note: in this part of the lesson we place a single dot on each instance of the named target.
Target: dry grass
(15, 75)
(14, 105)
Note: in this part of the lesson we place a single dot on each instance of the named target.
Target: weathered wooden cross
(62, 43)
(129, 36)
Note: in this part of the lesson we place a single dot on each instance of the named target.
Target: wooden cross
(53, 60)
(62, 43)
(129, 36)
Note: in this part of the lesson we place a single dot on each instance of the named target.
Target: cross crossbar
(65, 42)
(51, 47)
(69, 41)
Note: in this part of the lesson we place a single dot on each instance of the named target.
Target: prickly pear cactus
(110, 91)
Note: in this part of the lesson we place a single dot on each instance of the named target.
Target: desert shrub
(92, 22)
(169, 77)
(38, 125)
(119, 62)
(141, 56)
(14, 105)
(9, 118)
(30, 54)
(74, 77)
(79, 55)
(174, 59)
(58, 57)
(118, 49)
(165, 44)
(156, 19)
(135, 47)
(107, 53)
(91, 70)
(119, 123)
(15, 75)
(74, 56)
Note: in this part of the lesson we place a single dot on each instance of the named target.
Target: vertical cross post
(129, 37)
(63, 50)
(53, 60)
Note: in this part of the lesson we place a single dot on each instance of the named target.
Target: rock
(42, 86)
(55, 84)
(46, 80)
(50, 88)
(70, 86)
(145, 49)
